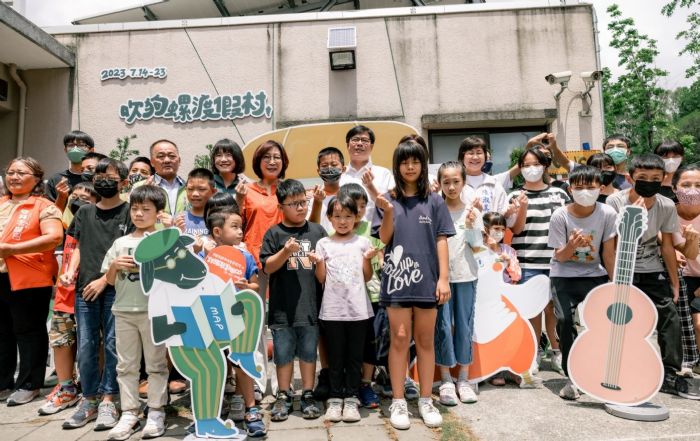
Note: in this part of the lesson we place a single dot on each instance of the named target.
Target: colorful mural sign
(187, 108)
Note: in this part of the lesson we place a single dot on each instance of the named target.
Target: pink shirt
(693, 267)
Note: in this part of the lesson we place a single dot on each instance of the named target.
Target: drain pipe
(22, 108)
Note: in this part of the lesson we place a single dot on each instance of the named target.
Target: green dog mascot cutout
(197, 315)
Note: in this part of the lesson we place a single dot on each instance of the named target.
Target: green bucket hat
(155, 246)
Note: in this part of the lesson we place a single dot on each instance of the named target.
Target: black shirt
(668, 192)
(95, 230)
(73, 179)
(293, 288)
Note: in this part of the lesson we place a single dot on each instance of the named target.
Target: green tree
(123, 151)
(634, 103)
(691, 35)
(204, 160)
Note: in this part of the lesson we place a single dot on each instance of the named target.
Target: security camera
(590, 77)
(559, 77)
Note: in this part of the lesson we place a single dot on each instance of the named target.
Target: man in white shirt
(375, 179)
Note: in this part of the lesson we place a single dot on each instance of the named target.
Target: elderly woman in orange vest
(30, 229)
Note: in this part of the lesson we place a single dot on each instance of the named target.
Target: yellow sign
(578, 156)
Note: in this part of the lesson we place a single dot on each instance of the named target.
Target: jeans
(291, 342)
(23, 315)
(457, 314)
(568, 292)
(95, 317)
(344, 355)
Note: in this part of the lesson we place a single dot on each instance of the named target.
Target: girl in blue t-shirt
(414, 224)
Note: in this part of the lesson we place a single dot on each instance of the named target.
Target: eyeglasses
(170, 262)
(18, 173)
(297, 204)
(81, 145)
(358, 140)
(270, 158)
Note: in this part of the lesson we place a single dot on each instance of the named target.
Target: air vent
(342, 38)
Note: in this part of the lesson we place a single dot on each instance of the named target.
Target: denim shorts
(299, 342)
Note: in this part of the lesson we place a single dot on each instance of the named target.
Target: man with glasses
(76, 145)
(375, 179)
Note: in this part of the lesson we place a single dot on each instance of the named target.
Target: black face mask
(76, 204)
(647, 189)
(330, 174)
(87, 176)
(136, 177)
(107, 188)
(607, 177)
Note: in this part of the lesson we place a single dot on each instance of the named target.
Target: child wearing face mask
(577, 233)
(606, 165)
(494, 231)
(672, 152)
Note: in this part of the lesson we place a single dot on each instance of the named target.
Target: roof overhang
(28, 46)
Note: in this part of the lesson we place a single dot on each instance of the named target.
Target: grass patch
(453, 429)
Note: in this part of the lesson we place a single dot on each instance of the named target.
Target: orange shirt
(260, 212)
(65, 295)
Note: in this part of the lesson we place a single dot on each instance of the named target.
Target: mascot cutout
(503, 337)
(197, 315)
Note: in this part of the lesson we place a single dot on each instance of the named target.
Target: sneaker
(280, 410)
(255, 426)
(62, 398)
(448, 394)
(323, 386)
(309, 406)
(569, 391)
(177, 386)
(230, 386)
(107, 416)
(467, 392)
(85, 413)
(143, 389)
(686, 372)
(155, 424)
(687, 389)
(257, 393)
(368, 397)
(334, 410)
(399, 415)
(351, 412)
(555, 361)
(431, 416)
(386, 391)
(51, 380)
(535, 368)
(529, 381)
(22, 396)
(411, 391)
(237, 409)
(127, 425)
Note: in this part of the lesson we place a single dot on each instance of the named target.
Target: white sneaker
(466, 392)
(237, 408)
(334, 411)
(448, 394)
(569, 392)
(535, 368)
(529, 381)
(127, 425)
(431, 416)
(399, 415)
(555, 361)
(351, 412)
(155, 424)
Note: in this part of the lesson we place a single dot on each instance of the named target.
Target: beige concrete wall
(407, 67)
(8, 119)
(48, 116)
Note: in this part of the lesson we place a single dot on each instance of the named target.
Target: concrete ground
(502, 413)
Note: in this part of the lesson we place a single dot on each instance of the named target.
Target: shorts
(62, 333)
(419, 305)
(294, 342)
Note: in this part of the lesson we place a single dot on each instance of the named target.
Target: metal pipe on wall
(22, 108)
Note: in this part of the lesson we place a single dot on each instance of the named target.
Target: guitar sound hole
(619, 313)
(611, 386)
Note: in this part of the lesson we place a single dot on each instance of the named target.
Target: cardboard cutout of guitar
(613, 359)
(197, 315)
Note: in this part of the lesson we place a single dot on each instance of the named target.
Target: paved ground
(505, 413)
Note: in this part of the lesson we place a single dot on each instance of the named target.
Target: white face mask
(532, 173)
(586, 198)
(672, 164)
(496, 235)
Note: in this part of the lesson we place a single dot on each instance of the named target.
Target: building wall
(467, 69)
(8, 119)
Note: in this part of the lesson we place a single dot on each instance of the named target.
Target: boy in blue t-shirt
(200, 187)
